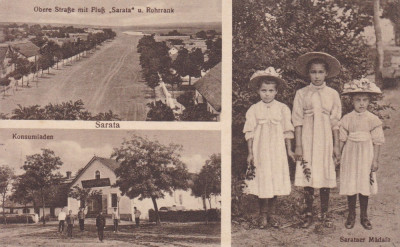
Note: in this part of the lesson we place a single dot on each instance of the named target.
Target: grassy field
(168, 234)
(108, 79)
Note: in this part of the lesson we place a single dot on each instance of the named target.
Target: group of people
(323, 140)
(69, 219)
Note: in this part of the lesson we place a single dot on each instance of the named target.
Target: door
(104, 204)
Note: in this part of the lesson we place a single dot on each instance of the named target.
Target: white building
(99, 174)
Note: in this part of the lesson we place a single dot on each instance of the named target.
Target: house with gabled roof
(208, 90)
(99, 174)
(27, 49)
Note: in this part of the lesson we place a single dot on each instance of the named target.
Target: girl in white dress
(316, 115)
(268, 127)
(361, 136)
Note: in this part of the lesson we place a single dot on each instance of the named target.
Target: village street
(108, 79)
(168, 234)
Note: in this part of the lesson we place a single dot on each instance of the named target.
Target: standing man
(70, 223)
(81, 218)
(61, 220)
(115, 218)
(100, 224)
(137, 216)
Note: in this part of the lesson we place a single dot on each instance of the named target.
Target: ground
(384, 208)
(168, 234)
(108, 79)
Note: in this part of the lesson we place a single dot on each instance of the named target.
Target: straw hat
(269, 73)
(361, 86)
(303, 60)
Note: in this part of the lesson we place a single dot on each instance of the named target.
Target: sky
(185, 11)
(77, 147)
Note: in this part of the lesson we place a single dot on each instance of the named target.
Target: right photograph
(314, 111)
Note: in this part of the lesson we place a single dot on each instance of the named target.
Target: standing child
(268, 126)
(316, 115)
(361, 135)
(70, 220)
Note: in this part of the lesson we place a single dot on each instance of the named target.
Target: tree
(379, 45)
(391, 10)
(208, 182)
(22, 68)
(6, 178)
(149, 169)
(197, 112)
(5, 82)
(83, 194)
(201, 35)
(71, 110)
(214, 52)
(274, 33)
(189, 63)
(40, 171)
(159, 112)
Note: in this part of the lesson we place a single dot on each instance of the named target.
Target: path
(109, 79)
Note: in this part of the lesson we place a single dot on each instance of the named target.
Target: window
(97, 175)
(114, 200)
(26, 211)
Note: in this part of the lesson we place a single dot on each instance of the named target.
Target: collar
(360, 114)
(268, 104)
(318, 87)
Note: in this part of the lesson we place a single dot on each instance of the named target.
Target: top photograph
(110, 60)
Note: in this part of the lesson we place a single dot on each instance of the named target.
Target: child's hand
(336, 155)
(298, 153)
(375, 166)
(291, 155)
(250, 159)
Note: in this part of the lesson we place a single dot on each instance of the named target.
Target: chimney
(69, 174)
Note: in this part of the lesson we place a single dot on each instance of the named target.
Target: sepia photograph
(315, 112)
(111, 60)
(110, 187)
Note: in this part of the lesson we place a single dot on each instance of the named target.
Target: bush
(12, 219)
(185, 216)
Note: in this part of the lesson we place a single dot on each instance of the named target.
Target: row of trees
(156, 62)
(148, 169)
(50, 54)
(71, 110)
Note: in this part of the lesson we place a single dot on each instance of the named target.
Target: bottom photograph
(141, 187)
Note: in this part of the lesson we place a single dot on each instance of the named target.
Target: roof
(110, 163)
(209, 86)
(28, 49)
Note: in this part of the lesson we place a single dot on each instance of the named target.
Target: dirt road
(168, 234)
(109, 79)
(384, 208)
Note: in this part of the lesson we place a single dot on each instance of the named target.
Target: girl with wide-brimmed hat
(316, 115)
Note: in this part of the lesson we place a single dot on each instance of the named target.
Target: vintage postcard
(120, 187)
(315, 114)
(111, 60)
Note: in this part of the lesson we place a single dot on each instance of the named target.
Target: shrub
(185, 216)
(11, 219)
